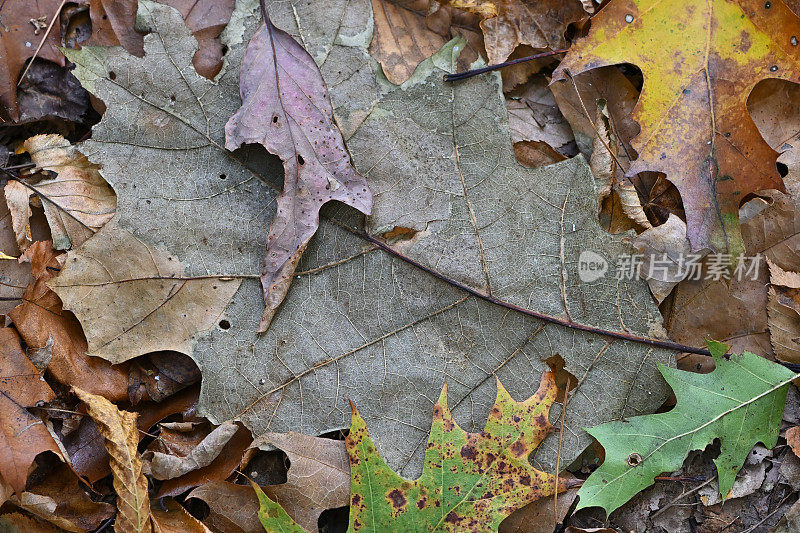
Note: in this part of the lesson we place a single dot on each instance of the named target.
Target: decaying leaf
(664, 251)
(40, 320)
(170, 464)
(122, 438)
(692, 111)
(738, 410)
(77, 201)
(286, 108)
(436, 153)
(164, 309)
(19, 523)
(233, 508)
(534, 116)
(23, 436)
(783, 309)
(14, 275)
(469, 481)
(509, 23)
(19, 40)
(17, 197)
(318, 476)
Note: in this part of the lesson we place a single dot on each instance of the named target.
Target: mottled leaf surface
(740, 403)
(287, 109)
(695, 126)
(470, 481)
(358, 321)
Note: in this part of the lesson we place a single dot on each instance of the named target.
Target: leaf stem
(470, 73)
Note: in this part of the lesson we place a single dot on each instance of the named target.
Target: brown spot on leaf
(397, 499)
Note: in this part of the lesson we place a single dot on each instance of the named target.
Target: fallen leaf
(206, 19)
(538, 516)
(14, 275)
(536, 154)
(286, 108)
(793, 439)
(164, 308)
(18, 202)
(77, 201)
(159, 375)
(783, 310)
(473, 477)
(233, 508)
(509, 23)
(49, 92)
(18, 42)
(737, 410)
(318, 477)
(272, 516)
(692, 111)
(40, 319)
(60, 500)
(171, 463)
(122, 438)
(19, 523)
(23, 436)
(113, 24)
(664, 251)
(219, 469)
(175, 519)
(534, 116)
(424, 327)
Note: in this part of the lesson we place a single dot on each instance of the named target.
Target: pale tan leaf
(664, 250)
(122, 437)
(77, 201)
(783, 310)
(18, 202)
(14, 275)
(318, 478)
(163, 309)
(170, 465)
(233, 508)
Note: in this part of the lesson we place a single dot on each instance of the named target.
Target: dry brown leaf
(793, 439)
(19, 523)
(534, 116)
(536, 154)
(318, 478)
(113, 24)
(18, 202)
(538, 516)
(219, 469)
(206, 19)
(233, 508)
(14, 275)
(664, 249)
(122, 438)
(160, 375)
(23, 436)
(171, 462)
(19, 39)
(783, 311)
(174, 519)
(77, 201)
(508, 23)
(59, 499)
(164, 310)
(40, 319)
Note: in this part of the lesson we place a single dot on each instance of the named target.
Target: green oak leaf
(740, 403)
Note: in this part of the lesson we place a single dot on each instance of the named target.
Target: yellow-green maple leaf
(700, 60)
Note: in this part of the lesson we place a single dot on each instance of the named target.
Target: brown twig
(470, 73)
(41, 43)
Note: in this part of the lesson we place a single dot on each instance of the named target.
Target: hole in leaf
(112, 75)
(300, 159)
(223, 176)
(634, 459)
(224, 324)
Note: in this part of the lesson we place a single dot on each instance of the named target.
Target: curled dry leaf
(783, 310)
(164, 309)
(77, 201)
(171, 463)
(23, 436)
(17, 197)
(233, 508)
(695, 125)
(174, 519)
(318, 478)
(40, 319)
(286, 107)
(664, 251)
(508, 23)
(121, 440)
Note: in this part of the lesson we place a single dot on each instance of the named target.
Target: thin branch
(41, 43)
(470, 73)
(558, 455)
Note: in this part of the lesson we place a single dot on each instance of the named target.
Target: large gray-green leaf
(360, 322)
